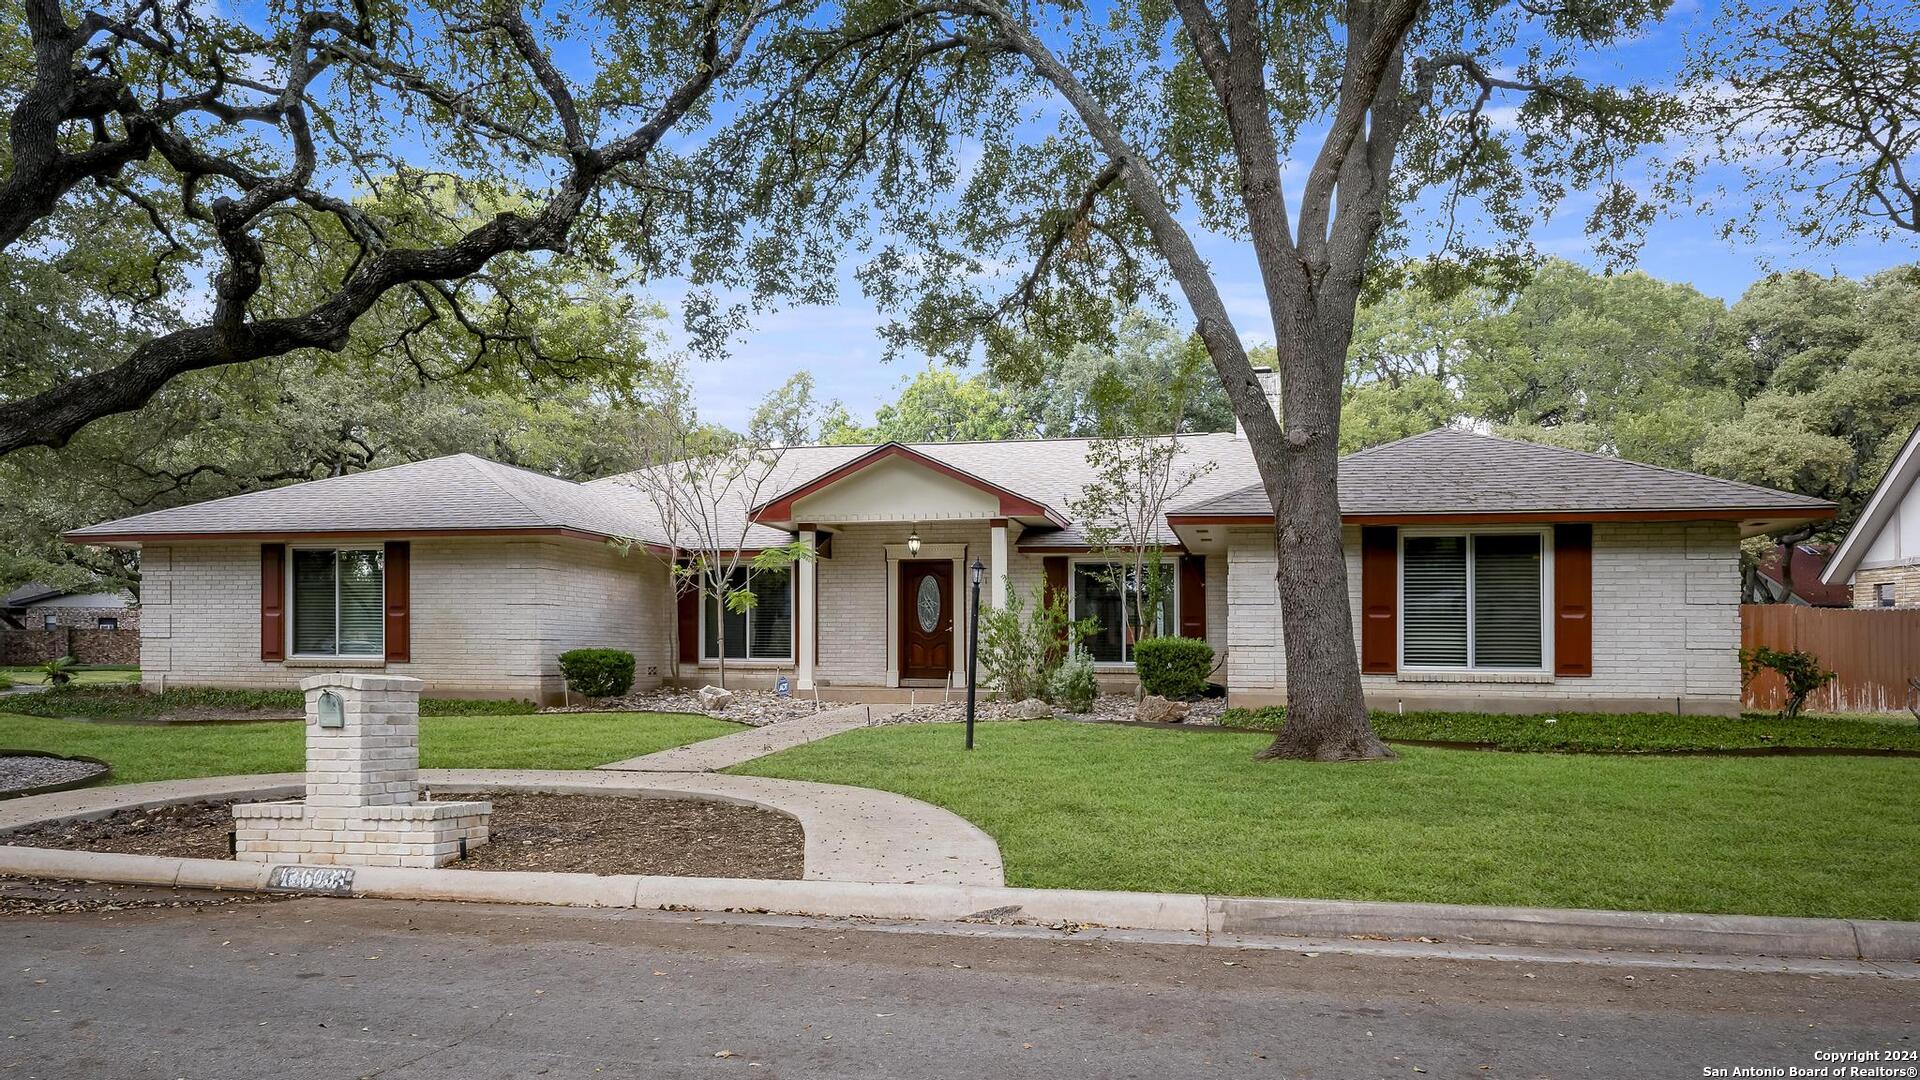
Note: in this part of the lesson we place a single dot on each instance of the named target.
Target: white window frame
(1172, 610)
(793, 612)
(1546, 599)
(379, 549)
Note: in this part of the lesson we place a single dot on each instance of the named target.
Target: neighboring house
(1880, 557)
(1768, 583)
(1482, 572)
(39, 607)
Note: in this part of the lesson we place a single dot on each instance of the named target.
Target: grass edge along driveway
(1100, 807)
(143, 752)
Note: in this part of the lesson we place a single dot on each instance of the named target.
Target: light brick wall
(489, 617)
(1904, 579)
(1666, 628)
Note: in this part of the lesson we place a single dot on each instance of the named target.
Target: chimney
(1269, 381)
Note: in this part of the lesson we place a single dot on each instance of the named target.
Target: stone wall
(79, 618)
(1904, 579)
(1666, 630)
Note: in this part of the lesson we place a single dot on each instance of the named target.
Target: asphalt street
(353, 988)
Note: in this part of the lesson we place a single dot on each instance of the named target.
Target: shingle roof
(1439, 472)
(1460, 472)
(452, 493)
(1049, 471)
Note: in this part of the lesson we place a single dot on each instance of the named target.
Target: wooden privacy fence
(1873, 652)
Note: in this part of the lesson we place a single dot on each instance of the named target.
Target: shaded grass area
(203, 702)
(140, 753)
(1104, 807)
(88, 675)
(1627, 732)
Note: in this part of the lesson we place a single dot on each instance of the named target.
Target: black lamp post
(979, 571)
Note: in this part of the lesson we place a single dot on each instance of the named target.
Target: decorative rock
(714, 698)
(1154, 709)
(1030, 709)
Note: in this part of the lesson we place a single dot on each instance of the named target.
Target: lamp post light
(913, 543)
(979, 570)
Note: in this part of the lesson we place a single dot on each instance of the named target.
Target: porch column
(803, 618)
(997, 564)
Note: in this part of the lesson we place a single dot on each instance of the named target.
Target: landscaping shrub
(1173, 667)
(1799, 669)
(5, 683)
(597, 672)
(1022, 644)
(1073, 687)
(59, 671)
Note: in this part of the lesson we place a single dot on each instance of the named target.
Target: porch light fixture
(913, 542)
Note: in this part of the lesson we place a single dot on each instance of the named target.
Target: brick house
(41, 607)
(1880, 558)
(1482, 571)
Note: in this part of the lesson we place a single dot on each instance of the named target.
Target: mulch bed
(531, 831)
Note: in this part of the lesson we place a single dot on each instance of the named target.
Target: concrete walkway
(852, 834)
(712, 755)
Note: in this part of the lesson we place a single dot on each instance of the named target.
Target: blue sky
(840, 346)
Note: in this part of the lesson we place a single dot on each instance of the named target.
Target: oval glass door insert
(928, 603)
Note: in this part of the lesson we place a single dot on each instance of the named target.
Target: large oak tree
(1039, 167)
(247, 187)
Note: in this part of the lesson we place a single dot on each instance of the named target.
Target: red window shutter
(1573, 600)
(399, 601)
(1193, 596)
(1379, 599)
(687, 612)
(1056, 568)
(273, 601)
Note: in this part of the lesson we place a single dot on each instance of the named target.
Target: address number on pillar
(323, 880)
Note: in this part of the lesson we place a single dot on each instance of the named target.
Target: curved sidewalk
(852, 834)
(712, 755)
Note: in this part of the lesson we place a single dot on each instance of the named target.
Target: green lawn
(130, 703)
(546, 741)
(1628, 732)
(1092, 806)
(85, 676)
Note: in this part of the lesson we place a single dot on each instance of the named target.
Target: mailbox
(332, 710)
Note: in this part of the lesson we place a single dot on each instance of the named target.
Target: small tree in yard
(1138, 474)
(703, 480)
(1800, 670)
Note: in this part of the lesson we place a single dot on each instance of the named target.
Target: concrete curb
(1204, 916)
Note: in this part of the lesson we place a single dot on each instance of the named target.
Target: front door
(926, 619)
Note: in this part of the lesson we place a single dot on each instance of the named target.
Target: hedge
(1173, 667)
(597, 672)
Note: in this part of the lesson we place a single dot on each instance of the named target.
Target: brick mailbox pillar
(363, 776)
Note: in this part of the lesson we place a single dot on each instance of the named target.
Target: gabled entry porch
(884, 602)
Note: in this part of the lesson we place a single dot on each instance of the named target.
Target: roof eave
(1873, 518)
(779, 511)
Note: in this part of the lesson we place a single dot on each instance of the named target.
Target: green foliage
(1023, 644)
(1799, 669)
(130, 704)
(1173, 667)
(1817, 106)
(1100, 806)
(6, 683)
(58, 672)
(937, 405)
(1073, 686)
(598, 673)
(516, 738)
(1618, 733)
